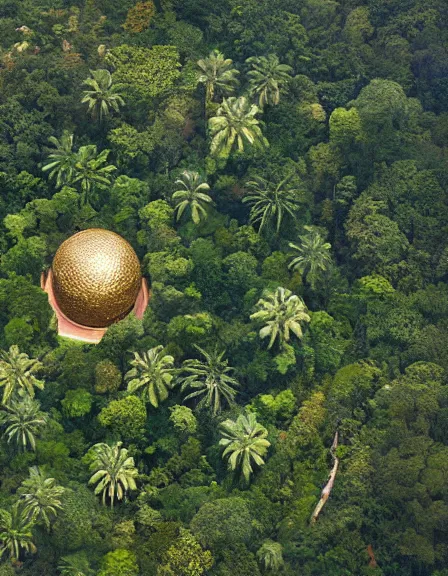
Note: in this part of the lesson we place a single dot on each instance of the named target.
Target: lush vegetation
(281, 169)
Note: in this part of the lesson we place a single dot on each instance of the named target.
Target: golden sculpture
(96, 278)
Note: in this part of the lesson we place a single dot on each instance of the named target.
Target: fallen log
(372, 563)
(325, 494)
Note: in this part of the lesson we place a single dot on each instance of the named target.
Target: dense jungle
(280, 168)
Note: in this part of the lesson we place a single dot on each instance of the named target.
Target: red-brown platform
(70, 329)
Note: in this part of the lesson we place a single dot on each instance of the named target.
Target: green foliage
(210, 379)
(270, 555)
(269, 202)
(41, 497)
(282, 312)
(113, 470)
(223, 522)
(102, 96)
(185, 558)
(313, 257)
(144, 72)
(151, 374)
(63, 160)
(15, 534)
(75, 565)
(119, 563)
(191, 195)
(217, 74)
(233, 126)
(107, 377)
(77, 403)
(267, 77)
(17, 374)
(244, 442)
(183, 419)
(125, 418)
(21, 421)
(273, 409)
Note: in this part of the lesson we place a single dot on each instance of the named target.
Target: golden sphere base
(70, 329)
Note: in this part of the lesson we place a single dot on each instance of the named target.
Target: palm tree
(267, 78)
(217, 74)
(114, 471)
(210, 379)
(270, 202)
(313, 257)
(282, 312)
(17, 371)
(41, 497)
(152, 374)
(235, 124)
(90, 171)
(192, 195)
(244, 441)
(15, 533)
(63, 159)
(270, 555)
(22, 420)
(102, 96)
(75, 565)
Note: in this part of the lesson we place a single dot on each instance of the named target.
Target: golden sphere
(96, 277)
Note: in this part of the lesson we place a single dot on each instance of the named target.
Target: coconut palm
(114, 472)
(151, 375)
(41, 497)
(63, 160)
(282, 312)
(235, 125)
(22, 420)
(102, 96)
(210, 379)
(245, 442)
(192, 195)
(270, 555)
(267, 78)
(270, 202)
(217, 74)
(90, 171)
(17, 377)
(75, 565)
(313, 257)
(15, 533)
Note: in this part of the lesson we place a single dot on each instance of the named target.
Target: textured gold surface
(96, 277)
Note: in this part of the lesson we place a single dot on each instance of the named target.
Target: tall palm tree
(22, 421)
(267, 78)
(192, 195)
(41, 497)
(75, 565)
(15, 533)
(270, 202)
(270, 555)
(63, 159)
(218, 75)
(235, 125)
(245, 442)
(151, 375)
(102, 96)
(282, 312)
(17, 371)
(114, 472)
(90, 171)
(313, 257)
(210, 379)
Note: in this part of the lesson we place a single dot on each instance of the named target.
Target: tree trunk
(325, 494)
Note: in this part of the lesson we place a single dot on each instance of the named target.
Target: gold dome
(96, 277)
